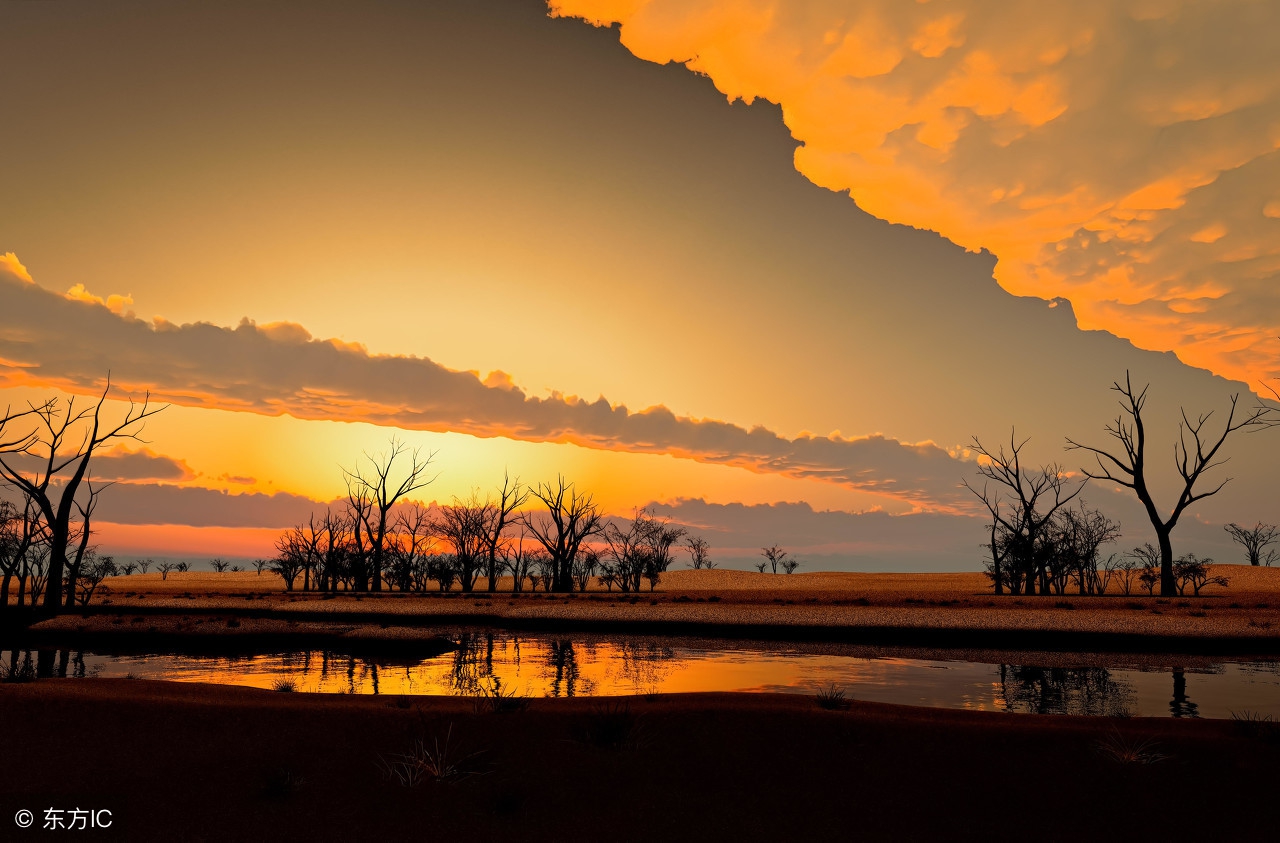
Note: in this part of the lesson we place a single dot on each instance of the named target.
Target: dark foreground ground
(179, 761)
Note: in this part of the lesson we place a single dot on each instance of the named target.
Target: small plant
(284, 686)
(500, 700)
(612, 725)
(1253, 724)
(437, 762)
(1124, 750)
(833, 699)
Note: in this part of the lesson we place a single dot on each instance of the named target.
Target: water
(579, 665)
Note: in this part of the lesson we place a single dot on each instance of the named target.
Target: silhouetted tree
(1148, 558)
(1018, 533)
(51, 443)
(164, 568)
(219, 566)
(93, 571)
(641, 549)
(1074, 538)
(498, 513)
(517, 560)
(1255, 540)
(1195, 453)
(789, 565)
(372, 486)
(699, 550)
(774, 555)
(464, 525)
(572, 517)
(1193, 571)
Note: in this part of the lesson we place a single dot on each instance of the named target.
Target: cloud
(10, 265)
(1122, 155)
(114, 303)
(800, 528)
(49, 340)
(120, 464)
(196, 506)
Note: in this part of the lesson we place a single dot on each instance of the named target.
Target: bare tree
(21, 536)
(774, 556)
(1036, 495)
(1193, 571)
(164, 568)
(572, 517)
(291, 556)
(518, 561)
(789, 565)
(1148, 559)
(414, 540)
(465, 526)
(641, 549)
(1195, 453)
(93, 571)
(511, 496)
(52, 443)
(372, 485)
(145, 564)
(219, 566)
(699, 553)
(1255, 540)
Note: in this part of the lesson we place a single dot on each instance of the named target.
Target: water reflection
(584, 665)
(1090, 691)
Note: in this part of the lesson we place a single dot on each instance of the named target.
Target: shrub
(832, 698)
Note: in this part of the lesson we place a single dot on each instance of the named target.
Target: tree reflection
(643, 664)
(1180, 706)
(1091, 691)
(563, 662)
(472, 662)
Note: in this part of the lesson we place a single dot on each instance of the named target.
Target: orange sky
(511, 240)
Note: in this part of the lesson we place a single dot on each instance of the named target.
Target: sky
(767, 268)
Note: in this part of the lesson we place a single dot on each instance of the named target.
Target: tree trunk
(4, 590)
(1168, 587)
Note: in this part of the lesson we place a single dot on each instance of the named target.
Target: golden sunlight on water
(548, 665)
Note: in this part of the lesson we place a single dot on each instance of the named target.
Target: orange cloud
(48, 340)
(10, 265)
(114, 303)
(1094, 147)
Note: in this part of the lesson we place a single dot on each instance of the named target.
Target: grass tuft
(437, 761)
(284, 686)
(613, 725)
(832, 698)
(1124, 750)
(499, 700)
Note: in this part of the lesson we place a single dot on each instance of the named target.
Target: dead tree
(572, 517)
(510, 498)
(1036, 496)
(699, 553)
(373, 488)
(52, 443)
(1255, 540)
(465, 526)
(1195, 453)
(775, 556)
